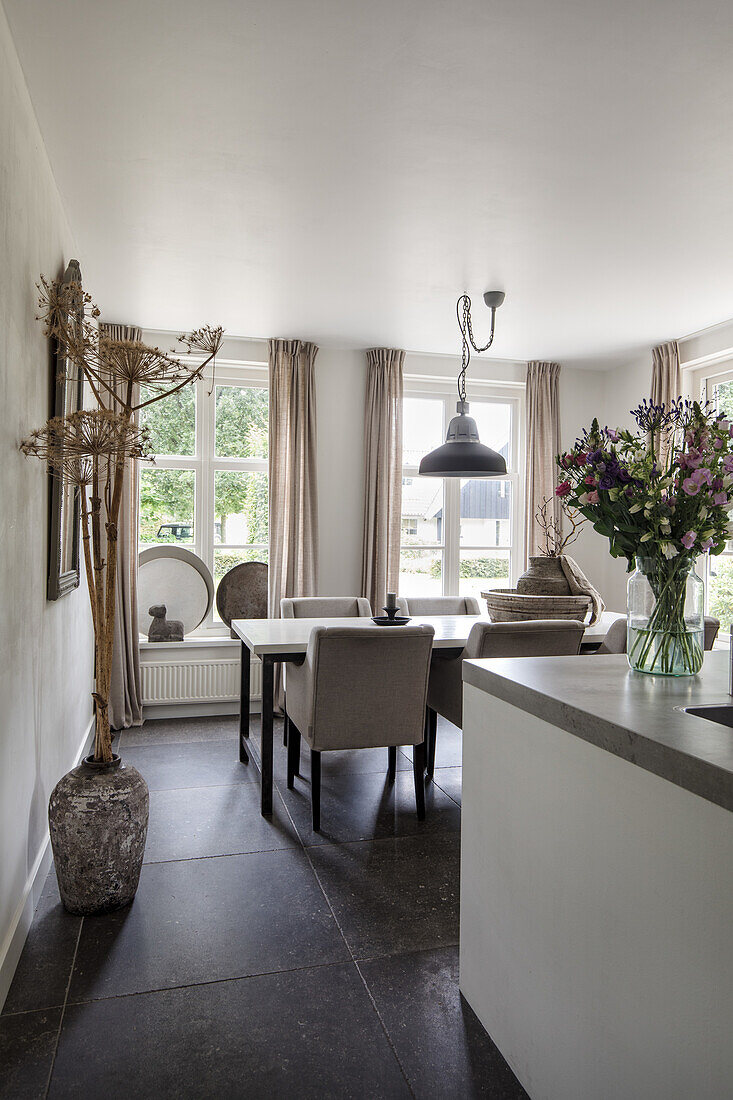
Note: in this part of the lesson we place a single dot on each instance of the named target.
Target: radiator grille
(196, 681)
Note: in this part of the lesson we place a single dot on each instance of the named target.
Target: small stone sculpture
(162, 629)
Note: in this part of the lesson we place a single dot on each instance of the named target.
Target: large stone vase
(98, 819)
(545, 577)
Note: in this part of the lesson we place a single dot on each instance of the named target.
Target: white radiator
(196, 681)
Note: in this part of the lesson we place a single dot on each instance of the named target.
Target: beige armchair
(360, 687)
(440, 605)
(536, 638)
(325, 607)
(615, 640)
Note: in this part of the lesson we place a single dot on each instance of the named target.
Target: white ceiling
(342, 170)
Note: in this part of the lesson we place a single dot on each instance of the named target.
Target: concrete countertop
(632, 715)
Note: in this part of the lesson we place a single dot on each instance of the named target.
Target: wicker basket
(506, 605)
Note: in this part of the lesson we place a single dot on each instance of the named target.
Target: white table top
(263, 636)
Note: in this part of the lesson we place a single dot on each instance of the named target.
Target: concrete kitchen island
(597, 876)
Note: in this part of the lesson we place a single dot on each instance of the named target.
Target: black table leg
(244, 704)
(266, 747)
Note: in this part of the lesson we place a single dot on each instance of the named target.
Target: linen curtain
(125, 694)
(665, 374)
(382, 475)
(543, 444)
(666, 382)
(293, 559)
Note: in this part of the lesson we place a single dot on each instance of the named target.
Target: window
(717, 570)
(208, 488)
(458, 537)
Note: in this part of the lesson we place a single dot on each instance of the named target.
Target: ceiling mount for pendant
(462, 454)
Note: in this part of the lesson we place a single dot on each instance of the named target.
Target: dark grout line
(63, 1010)
(209, 981)
(351, 953)
(221, 855)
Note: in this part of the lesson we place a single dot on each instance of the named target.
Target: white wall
(609, 395)
(45, 648)
(340, 397)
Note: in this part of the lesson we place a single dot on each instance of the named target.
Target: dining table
(279, 641)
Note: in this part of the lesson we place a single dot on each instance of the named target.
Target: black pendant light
(462, 454)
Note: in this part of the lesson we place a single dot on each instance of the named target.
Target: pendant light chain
(463, 313)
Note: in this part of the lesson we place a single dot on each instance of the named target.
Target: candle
(391, 600)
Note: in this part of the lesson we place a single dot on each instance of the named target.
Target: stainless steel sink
(715, 712)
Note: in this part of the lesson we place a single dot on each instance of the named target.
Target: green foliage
(172, 422)
(241, 422)
(239, 493)
(223, 561)
(720, 592)
(165, 496)
(477, 569)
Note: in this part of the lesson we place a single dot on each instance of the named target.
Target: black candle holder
(391, 611)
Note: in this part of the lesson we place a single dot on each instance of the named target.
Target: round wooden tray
(506, 605)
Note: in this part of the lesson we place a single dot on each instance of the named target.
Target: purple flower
(612, 435)
(688, 540)
(693, 458)
(728, 464)
(720, 498)
(705, 545)
(702, 476)
(717, 443)
(691, 487)
(606, 482)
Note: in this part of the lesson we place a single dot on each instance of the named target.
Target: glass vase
(665, 617)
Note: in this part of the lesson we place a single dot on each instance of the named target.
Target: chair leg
(293, 754)
(391, 763)
(316, 790)
(418, 768)
(286, 722)
(432, 722)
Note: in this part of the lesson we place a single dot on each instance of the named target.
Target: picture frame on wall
(67, 388)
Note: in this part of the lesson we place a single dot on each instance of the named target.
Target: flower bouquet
(661, 496)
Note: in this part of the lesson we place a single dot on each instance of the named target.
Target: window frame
(701, 382)
(205, 464)
(481, 391)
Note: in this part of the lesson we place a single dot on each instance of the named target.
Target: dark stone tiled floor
(259, 958)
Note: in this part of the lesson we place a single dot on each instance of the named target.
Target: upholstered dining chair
(533, 638)
(440, 605)
(615, 640)
(360, 687)
(325, 607)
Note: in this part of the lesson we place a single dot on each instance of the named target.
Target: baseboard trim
(197, 710)
(23, 918)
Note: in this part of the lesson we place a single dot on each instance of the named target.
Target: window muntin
(215, 504)
(458, 537)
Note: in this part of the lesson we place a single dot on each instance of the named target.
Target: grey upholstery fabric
(361, 687)
(538, 638)
(712, 626)
(615, 640)
(442, 605)
(324, 607)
